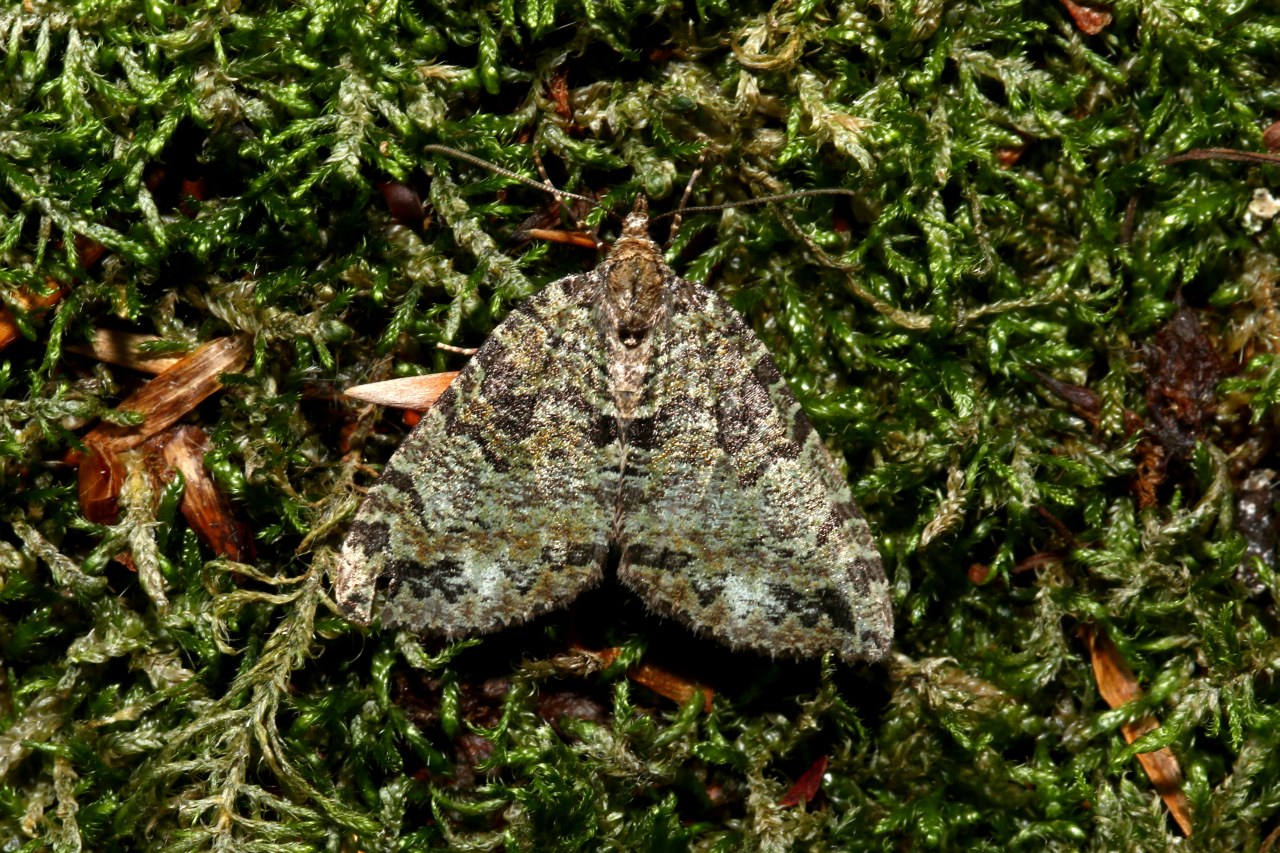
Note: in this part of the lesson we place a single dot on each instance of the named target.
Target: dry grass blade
(411, 392)
(175, 392)
(1118, 686)
(126, 349)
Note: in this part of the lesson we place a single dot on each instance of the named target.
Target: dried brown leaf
(1089, 18)
(32, 303)
(100, 476)
(807, 786)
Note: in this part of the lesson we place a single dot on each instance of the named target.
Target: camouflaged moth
(622, 420)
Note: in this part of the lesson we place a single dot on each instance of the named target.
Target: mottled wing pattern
(736, 520)
(500, 504)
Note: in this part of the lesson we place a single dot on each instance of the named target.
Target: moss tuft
(1049, 359)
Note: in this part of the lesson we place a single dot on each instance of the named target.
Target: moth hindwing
(625, 411)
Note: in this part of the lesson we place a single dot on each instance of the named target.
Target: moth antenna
(684, 200)
(506, 173)
(764, 199)
(546, 179)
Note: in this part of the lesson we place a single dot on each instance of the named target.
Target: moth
(623, 419)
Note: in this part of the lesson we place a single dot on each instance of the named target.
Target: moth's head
(636, 225)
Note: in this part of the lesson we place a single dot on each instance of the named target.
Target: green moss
(229, 158)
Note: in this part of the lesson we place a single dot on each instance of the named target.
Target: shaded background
(1048, 359)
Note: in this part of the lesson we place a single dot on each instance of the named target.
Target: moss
(986, 330)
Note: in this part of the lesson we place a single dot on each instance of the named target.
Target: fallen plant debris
(410, 392)
(30, 302)
(1090, 18)
(1084, 401)
(1118, 688)
(1222, 154)
(808, 785)
(126, 349)
(109, 457)
(1184, 372)
(173, 393)
(661, 681)
(100, 477)
(204, 505)
(35, 301)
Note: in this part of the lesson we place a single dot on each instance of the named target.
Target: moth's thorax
(635, 278)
